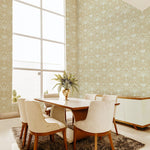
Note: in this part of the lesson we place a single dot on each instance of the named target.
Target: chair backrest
(100, 116)
(35, 116)
(59, 113)
(99, 97)
(21, 105)
(52, 95)
(90, 96)
(110, 98)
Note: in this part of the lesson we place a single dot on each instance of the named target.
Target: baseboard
(9, 115)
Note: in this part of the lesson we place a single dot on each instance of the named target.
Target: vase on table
(66, 93)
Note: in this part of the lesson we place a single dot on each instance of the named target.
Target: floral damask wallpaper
(6, 56)
(107, 46)
(71, 36)
(113, 48)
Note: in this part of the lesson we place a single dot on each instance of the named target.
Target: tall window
(38, 45)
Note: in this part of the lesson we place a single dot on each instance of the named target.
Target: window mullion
(41, 21)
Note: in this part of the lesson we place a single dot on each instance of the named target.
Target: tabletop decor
(67, 81)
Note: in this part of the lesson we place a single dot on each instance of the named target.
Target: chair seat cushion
(89, 127)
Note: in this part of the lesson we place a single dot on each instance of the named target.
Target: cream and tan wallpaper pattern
(71, 36)
(71, 39)
(6, 56)
(113, 48)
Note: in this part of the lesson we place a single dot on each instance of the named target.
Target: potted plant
(67, 82)
(15, 96)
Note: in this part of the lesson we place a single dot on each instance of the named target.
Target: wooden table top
(72, 103)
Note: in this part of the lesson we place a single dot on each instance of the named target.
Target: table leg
(80, 114)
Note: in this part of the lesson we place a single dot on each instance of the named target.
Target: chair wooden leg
(72, 120)
(22, 130)
(47, 112)
(111, 143)
(65, 116)
(65, 140)
(25, 134)
(114, 121)
(52, 137)
(36, 142)
(95, 141)
(29, 141)
(75, 136)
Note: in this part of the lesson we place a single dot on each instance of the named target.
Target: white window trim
(41, 70)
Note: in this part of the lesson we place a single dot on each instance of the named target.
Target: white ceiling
(139, 4)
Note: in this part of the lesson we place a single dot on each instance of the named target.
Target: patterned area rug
(120, 143)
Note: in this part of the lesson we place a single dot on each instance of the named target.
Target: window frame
(42, 70)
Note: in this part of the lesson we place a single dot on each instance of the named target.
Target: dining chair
(90, 96)
(97, 123)
(99, 97)
(55, 112)
(23, 117)
(58, 113)
(109, 98)
(40, 126)
(48, 106)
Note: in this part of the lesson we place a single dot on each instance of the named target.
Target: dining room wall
(71, 37)
(6, 105)
(113, 48)
(6, 57)
(107, 46)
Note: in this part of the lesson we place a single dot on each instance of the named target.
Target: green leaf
(14, 93)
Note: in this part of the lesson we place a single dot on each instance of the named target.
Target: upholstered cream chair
(21, 105)
(99, 97)
(110, 98)
(40, 126)
(90, 96)
(22, 112)
(48, 106)
(97, 123)
(58, 113)
(55, 112)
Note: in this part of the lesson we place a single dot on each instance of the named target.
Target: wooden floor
(7, 141)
